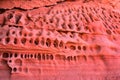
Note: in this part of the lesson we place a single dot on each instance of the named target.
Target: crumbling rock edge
(32, 4)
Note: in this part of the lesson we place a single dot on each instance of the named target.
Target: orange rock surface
(59, 40)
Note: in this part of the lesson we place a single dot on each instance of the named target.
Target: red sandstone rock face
(67, 41)
(27, 4)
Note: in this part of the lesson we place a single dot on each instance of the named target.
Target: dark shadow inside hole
(114, 32)
(48, 42)
(116, 27)
(61, 44)
(34, 55)
(115, 16)
(25, 56)
(65, 47)
(64, 26)
(13, 32)
(20, 33)
(108, 32)
(7, 34)
(47, 57)
(55, 43)
(68, 58)
(111, 16)
(14, 69)
(70, 26)
(74, 58)
(17, 18)
(78, 28)
(5, 55)
(42, 41)
(51, 57)
(7, 40)
(11, 55)
(84, 48)
(51, 21)
(15, 41)
(43, 56)
(72, 35)
(79, 47)
(25, 34)
(86, 28)
(2, 10)
(31, 40)
(15, 55)
(21, 55)
(39, 56)
(72, 47)
(23, 40)
(31, 55)
(36, 41)
(91, 17)
(10, 61)
(9, 16)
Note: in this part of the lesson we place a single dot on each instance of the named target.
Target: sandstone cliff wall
(59, 40)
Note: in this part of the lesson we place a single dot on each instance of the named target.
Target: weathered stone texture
(71, 40)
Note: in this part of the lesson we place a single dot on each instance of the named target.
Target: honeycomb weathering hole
(108, 32)
(79, 47)
(23, 40)
(9, 16)
(84, 48)
(31, 40)
(61, 44)
(17, 17)
(73, 47)
(42, 41)
(48, 42)
(14, 69)
(7, 40)
(36, 41)
(15, 41)
(51, 57)
(16, 55)
(5, 55)
(39, 56)
(70, 26)
(55, 43)
(43, 57)
(98, 48)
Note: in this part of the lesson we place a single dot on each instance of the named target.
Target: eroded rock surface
(71, 40)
